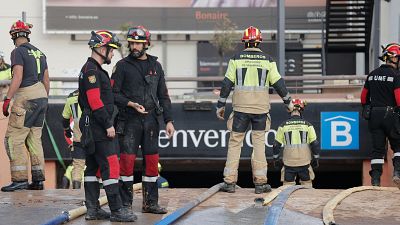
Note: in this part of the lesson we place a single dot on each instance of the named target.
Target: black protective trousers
(140, 130)
(383, 125)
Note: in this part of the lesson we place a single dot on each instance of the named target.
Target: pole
(281, 37)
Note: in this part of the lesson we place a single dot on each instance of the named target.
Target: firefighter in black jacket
(141, 96)
(97, 103)
(380, 99)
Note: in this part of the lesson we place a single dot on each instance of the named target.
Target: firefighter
(5, 69)
(97, 103)
(251, 72)
(161, 181)
(142, 96)
(30, 88)
(72, 110)
(380, 99)
(296, 141)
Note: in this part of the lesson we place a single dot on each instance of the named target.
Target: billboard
(174, 16)
(200, 135)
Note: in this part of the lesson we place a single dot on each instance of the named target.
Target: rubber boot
(92, 193)
(76, 184)
(262, 188)
(396, 171)
(65, 183)
(126, 192)
(150, 199)
(36, 185)
(118, 213)
(15, 185)
(230, 188)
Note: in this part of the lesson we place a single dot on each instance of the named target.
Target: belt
(387, 108)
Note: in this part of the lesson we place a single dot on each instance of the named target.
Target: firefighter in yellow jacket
(30, 88)
(297, 142)
(72, 110)
(251, 72)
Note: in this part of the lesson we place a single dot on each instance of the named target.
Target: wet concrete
(304, 207)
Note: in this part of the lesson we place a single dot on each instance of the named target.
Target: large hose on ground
(327, 213)
(276, 208)
(75, 213)
(174, 216)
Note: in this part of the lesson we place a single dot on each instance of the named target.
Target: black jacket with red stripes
(133, 83)
(382, 87)
(96, 97)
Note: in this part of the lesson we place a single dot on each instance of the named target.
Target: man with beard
(141, 96)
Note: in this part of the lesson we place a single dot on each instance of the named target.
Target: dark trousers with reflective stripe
(140, 130)
(382, 126)
(104, 158)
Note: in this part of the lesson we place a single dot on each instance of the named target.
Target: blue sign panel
(339, 131)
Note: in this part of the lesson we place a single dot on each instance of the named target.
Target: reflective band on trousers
(126, 178)
(36, 167)
(396, 154)
(110, 181)
(377, 161)
(261, 172)
(228, 172)
(91, 179)
(251, 88)
(18, 168)
(149, 179)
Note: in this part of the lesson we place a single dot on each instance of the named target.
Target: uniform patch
(92, 79)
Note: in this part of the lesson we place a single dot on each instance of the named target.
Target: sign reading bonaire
(340, 130)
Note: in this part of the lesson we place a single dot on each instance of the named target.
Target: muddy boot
(95, 212)
(262, 188)
(15, 185)
(150, 199)
(76, 184)
(230, 188)
(36, 185)
(65, 183)
(126, 192)
(396, 171)
(123, 215)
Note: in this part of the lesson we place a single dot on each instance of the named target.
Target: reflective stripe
(91, 179)
(262, 172)
(251, 88)
(36, 167)
(149, 179)
(297, 145)
(222, 100)
(287, 97)
(110, 181)
(303, 137)
(74, 114)
(316, 156)
(377, 161)
(287, 138)
(18, 168)
(276, 156)
(239, 76)
(263, 77)
(396, 154)
(126, 178)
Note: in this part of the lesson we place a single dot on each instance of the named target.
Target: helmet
(20, 29)
(104, 38)
(252, 34)
(138, 34)
(298, 104)
(391, 50)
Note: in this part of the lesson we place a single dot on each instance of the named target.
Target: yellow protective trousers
(24, 132)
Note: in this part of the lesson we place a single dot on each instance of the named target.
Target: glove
(220, 113)
(315, 163)
(6, 106)
(289, 106)
(278, 163)
(68, 132)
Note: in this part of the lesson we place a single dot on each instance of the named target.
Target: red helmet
(391, 50)
(138, 34)
(20, 29)
(104, 38)
(298, 104)
(252, 34)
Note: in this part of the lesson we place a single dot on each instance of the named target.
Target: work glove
(315, 163)
(220, 113)
(68, 132)
(6, 106)
(289, 106)
(278, 163)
